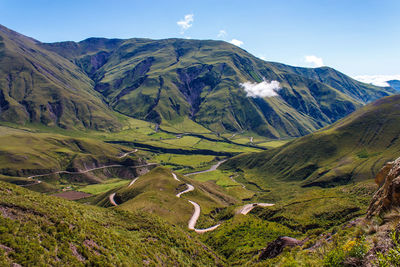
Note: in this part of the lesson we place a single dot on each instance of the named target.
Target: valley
(136, 152)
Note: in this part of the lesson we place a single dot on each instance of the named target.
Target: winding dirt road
(197, 210)
(127, 153)
(133, 181)
(111, 198)
(190, 188)
(248, 207)
(212, 168)
(196, 213)
(93, 169)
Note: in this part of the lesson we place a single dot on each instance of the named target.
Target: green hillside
(37, 85)
(352, 149)
(155, 192)
(24, 152)
(173, 80)
(38, 230)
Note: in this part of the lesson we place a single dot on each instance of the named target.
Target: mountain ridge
(170, 80)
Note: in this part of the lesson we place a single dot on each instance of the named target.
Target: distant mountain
(37, 85)
(72, 84)
(352, 149)
(394, 84)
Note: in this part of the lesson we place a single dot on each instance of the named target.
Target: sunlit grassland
(191, 161)
(103, 187)
(43, 230)
(226, 180)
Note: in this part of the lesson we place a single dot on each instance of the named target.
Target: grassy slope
(25, 152)
(155, 192)
(41, 86)
(33, 234)
(298, 213)
(173, 79)
(352, 149)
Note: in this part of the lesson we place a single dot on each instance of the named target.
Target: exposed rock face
(388, 194)
(276, 247)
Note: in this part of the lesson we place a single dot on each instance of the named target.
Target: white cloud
(262, 89)
(222, 34)
(378, 80)
(186, 23)
(262, 57)
(316, 61)
(236, 42)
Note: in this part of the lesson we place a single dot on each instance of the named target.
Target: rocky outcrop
(276, 247)
(388, 194)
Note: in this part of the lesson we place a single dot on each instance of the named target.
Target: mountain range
(89, 84)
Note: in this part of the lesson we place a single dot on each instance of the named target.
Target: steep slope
(352, 149)
(40, 86)
(38, 230)
(168, 81)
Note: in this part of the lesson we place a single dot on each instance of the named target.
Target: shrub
(392, 257)
(351, 249)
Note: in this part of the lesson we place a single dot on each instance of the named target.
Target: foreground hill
(155, 192)
(73, 234)
(172, 82)
(352, 149)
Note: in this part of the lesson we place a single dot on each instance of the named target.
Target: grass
(104, 187)
(353, 149)
(73, 234)
(185, 162)
(155, 192)
(221, 178)
(145, 80)
(298, 212)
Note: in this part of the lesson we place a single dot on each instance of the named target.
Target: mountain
(166, 81)
(351, 149)
(81, 85)
(394, 84)
(40, 86)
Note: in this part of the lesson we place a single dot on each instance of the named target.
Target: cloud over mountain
(236, 42)
(378, 80)
(262, 89)
(316, 61)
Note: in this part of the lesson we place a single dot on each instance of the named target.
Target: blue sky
(356, 37)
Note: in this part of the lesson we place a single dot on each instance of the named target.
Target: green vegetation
(44, 87)
(240, 238)
(355, 249)
(155, 192)
(185, 162)
(67, 106)
(104, 187)
(221, 178)
(392, 257)
(353, 149)
(184, 85)
(39, 230)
